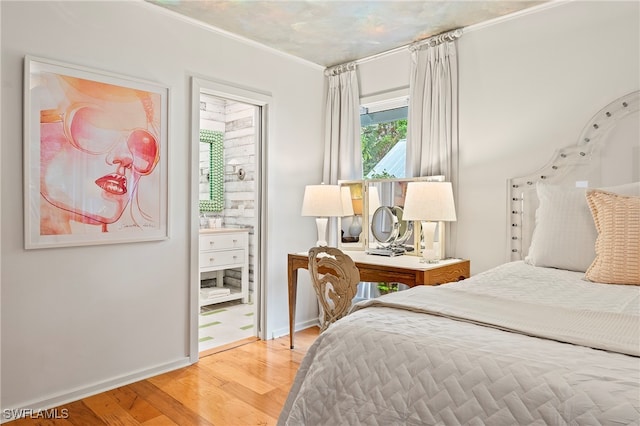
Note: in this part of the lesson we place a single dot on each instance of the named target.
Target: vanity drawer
(222, 241)
(227, 258)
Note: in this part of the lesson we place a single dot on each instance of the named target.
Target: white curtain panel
(432, 133)
(343, 152)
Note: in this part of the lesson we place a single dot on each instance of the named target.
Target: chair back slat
(335, 280)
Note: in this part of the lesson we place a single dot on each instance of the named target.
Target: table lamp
(322, 201)
(429, 202)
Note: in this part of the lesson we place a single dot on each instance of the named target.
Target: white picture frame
(95, 157)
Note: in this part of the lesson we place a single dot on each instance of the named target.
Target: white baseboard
(40, 405)
(299, 326)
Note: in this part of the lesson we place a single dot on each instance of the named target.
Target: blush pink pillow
(617, 220)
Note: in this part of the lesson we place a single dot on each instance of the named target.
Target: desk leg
(293, 292)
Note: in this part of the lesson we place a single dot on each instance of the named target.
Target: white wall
(79, 320)
(527, 85)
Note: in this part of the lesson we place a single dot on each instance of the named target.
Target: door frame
(260, 99)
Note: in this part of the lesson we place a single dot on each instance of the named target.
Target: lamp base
(321, 224)
(429, 254)
(355, 229)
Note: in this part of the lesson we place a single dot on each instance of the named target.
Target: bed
(550, 337)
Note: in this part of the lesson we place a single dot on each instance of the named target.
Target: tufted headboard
(599, 158)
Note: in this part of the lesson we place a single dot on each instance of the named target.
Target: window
(384, 138)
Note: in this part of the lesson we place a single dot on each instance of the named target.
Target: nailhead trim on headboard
(521, 191)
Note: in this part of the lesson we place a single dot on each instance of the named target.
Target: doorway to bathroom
(228, 127)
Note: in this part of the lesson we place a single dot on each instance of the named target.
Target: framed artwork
(95, 154)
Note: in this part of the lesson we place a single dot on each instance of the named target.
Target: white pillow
(564, 236)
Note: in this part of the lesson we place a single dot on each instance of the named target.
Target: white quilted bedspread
(385, 365)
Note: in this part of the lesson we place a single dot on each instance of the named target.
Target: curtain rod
(431, 41)
(338, 69)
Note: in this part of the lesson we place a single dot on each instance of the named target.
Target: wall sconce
(236, 169)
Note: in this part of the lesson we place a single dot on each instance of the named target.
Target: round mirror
(384, 225)
(388, 227)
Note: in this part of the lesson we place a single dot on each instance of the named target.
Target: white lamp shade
(322, 201)
(429, 201)
(347, 206)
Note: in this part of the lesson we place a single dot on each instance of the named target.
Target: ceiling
(334, 32)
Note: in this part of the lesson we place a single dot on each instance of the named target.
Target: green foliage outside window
(377, 140)
(382, 175)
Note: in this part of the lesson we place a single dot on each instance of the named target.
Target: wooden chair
(335, 280)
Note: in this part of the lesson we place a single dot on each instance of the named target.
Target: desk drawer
(227, 258)
(222, 241)
(448, 273)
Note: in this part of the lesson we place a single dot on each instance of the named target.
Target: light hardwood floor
(246, 385)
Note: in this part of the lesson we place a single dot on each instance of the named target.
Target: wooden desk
(404, 269)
